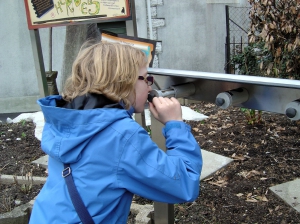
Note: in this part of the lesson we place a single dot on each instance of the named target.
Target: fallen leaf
(248, 157)
(196, 129)
(209, 105)
(252, 173)
(251, 200)
(210, 178)
(220, 183)
(238, 157)
(182, 209)
(211, 133)
(270, 211)
(280, 128)
(239, 194)
(243, 174)
(264, 198)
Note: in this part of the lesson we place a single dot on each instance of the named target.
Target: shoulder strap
(80, 208)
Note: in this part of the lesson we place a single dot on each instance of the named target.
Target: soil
(18, 148)
(265, 153)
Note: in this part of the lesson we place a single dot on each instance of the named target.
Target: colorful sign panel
(145, 45)
(48, 13)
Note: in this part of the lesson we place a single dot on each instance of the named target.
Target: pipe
(149, 19)
(232, 97)
(50, 49)
(292, 110)
(178, 91)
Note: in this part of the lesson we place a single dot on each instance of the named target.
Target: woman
(90, 130)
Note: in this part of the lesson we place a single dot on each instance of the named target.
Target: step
(289, 192)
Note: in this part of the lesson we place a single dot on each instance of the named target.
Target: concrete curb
(9, 179)
(142, 213)
(19, 215)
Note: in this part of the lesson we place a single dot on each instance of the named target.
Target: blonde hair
(105, 68)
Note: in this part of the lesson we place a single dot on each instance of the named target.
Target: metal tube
(149, 19)
(178, 91)
(50, 49)
(292, 110)
(232, 97)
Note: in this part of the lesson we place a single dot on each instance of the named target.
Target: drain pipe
(149, 19)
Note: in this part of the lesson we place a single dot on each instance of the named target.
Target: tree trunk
(75, 36)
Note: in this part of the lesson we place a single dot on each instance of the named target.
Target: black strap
(80, 208)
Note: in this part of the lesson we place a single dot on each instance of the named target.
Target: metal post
(163, 213)
(131, 30)
(51, 75)
(131, 26)
(39, 62)
(227, 49)
(50, 49)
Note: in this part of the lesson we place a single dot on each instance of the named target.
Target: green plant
(148, 129)
(249, 61)
(6, 203)
(6, 200)
(252, 116)
(3, 167)
(197, 110)
(23, 135)
(27, 186)
(23, 122)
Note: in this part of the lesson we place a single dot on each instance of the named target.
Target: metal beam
(266, 94)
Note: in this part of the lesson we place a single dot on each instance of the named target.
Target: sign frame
(34, 15)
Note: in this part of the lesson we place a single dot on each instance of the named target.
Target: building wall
(18, 81)
(191, 36)
(191, 33)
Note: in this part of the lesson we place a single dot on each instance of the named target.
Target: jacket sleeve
(169, 177)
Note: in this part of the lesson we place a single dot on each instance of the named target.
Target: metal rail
(266, 94)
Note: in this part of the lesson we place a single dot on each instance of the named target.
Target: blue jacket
(112, 157)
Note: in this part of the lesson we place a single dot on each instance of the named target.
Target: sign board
(49, 13)
(145, 45)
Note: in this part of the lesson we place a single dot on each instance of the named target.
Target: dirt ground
(265, 154)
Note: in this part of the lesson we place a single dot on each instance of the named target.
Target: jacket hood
(68, 131)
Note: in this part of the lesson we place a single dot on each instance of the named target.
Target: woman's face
(141, 91)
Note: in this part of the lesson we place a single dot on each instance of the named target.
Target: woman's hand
(166, 109)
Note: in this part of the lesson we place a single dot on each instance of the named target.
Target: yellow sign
(47, 13)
